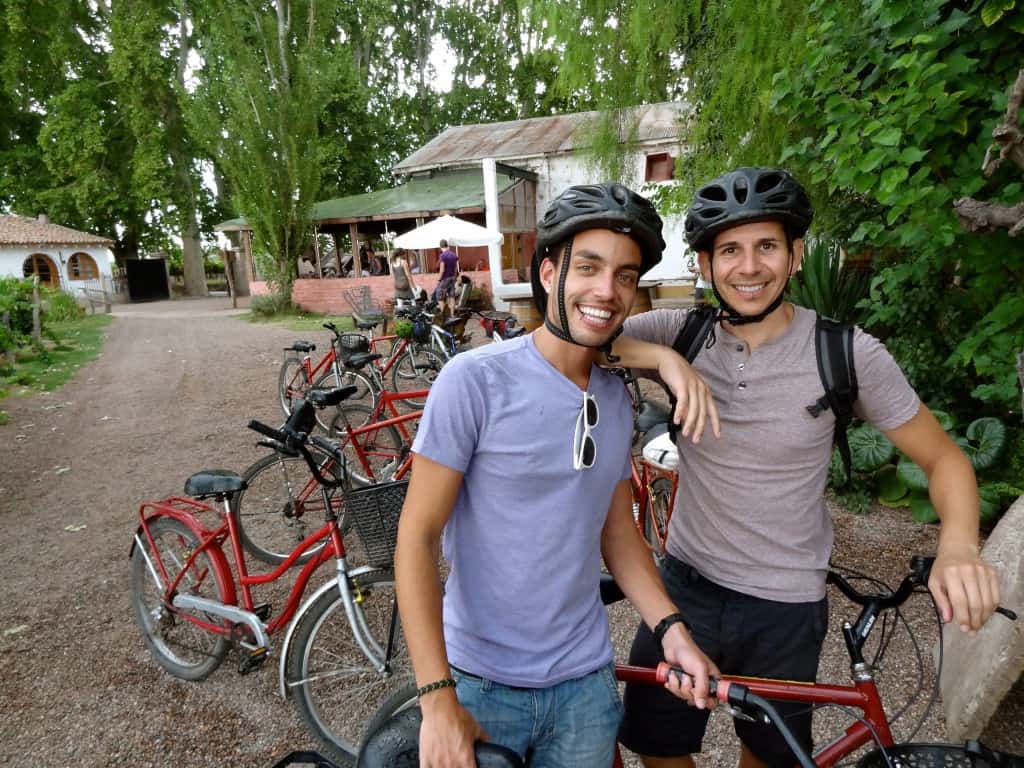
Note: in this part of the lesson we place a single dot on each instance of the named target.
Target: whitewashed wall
(12, 260)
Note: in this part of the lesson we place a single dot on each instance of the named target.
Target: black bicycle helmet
(746, 195)
(592, 206)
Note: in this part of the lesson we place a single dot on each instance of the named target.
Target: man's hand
(680, 651)
(695, 407)
(965, 587)
(448, 732)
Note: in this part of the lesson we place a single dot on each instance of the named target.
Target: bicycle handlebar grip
(717, 688)
(263, 429)
(324, 445)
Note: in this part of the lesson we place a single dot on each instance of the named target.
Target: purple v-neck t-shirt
(521, 604)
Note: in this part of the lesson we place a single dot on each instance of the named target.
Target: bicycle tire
(659, 510)
(333, 686)
(406, 376)
(271, 514)
(366, 393)
(383, 447)
(292, 383)
(179, 646)
(401, 699)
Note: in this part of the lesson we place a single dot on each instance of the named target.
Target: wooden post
(36, 324)
(9, 354)
(357, 261)
(229, 272)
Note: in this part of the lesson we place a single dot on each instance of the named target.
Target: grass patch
(297, 320)
(76, 343)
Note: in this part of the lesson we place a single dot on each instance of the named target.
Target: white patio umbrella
(451, 228)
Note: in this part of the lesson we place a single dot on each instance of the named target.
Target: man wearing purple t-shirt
(750, 538)
(449, 270)
(522, 461)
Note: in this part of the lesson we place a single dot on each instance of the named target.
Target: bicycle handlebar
(294, 440)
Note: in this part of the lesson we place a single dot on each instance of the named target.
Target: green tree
(266, 78)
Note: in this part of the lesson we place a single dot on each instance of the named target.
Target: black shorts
(743, 635)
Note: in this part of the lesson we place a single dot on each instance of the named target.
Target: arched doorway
(82, 266)
(42, 265)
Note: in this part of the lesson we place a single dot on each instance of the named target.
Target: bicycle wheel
(417, 369)
(333, 685)
(382, 447)
(292, 383)
(400, 700)
(659, 510)
(366, 393)
(281, 505)
(178, 645)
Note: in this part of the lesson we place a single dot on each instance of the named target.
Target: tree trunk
(192, 258)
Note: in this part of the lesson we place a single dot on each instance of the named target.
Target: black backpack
(833, 345)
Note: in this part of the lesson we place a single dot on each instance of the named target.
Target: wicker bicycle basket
(374, 510)
(351, 344)
(932, 756)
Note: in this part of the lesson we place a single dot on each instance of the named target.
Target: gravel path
(171, 394)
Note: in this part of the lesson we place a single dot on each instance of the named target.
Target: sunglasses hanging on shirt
(584, 448)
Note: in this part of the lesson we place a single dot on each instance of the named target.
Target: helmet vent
(711, 213)
(714, 192)
(739, 190)
(767, 182)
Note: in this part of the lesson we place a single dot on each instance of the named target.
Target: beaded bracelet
(436, 686)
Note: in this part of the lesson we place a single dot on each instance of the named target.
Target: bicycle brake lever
(736, 712)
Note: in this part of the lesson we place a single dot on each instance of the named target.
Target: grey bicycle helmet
(743, 196)
(592, 206)
(746, 195)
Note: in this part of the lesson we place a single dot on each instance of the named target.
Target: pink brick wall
(327, 295)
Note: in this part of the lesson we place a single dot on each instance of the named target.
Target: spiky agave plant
(827, 285)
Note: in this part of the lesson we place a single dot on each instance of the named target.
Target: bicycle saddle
(211, 482)
(366, 325)
(325, 398)
(303, 346)
(650, 414)
(396, 745)
(359, 359)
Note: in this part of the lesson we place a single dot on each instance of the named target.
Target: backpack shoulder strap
(697, 332)
(700, 321)
(833, 346)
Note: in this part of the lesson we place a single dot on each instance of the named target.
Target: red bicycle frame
(211, 540)
(862, 695)
(387, 401)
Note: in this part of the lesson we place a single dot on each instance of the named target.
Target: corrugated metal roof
(535, 136)
(425, 195)
(22, 230)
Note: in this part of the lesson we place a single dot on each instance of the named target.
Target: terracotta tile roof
(21, 230)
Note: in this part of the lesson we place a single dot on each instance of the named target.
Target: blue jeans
(569, 725)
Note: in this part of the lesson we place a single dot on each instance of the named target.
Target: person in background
(448, 269)
(405, 286)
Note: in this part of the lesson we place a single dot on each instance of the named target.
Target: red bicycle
(751, 697)
(343, 649)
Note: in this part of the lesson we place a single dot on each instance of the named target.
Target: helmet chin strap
(729, 314)
(563, 333)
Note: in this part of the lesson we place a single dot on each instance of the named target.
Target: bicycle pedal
(262, 612)
(252, 660)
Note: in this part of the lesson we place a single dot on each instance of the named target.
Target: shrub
(59, 307)
(267, 305)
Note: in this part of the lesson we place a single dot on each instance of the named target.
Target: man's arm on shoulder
(448, 731)
(630, 562)
(695, 406)
(966, 588)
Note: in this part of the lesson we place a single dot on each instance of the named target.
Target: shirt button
(741, 385)
(740, 348)
(740, 366)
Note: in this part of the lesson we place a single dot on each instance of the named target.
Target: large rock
(978, 672)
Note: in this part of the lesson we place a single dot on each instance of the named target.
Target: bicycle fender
(220, 563)
(287, 644)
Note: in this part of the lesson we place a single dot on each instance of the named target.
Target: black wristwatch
(664, 624)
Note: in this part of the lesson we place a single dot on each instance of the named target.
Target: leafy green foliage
(891, 108)
(827, 285)
(906, 484)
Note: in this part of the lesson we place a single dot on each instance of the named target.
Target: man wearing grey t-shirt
(749, 539)
(522, 460)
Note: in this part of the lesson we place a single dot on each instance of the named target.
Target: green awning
(425, 196)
